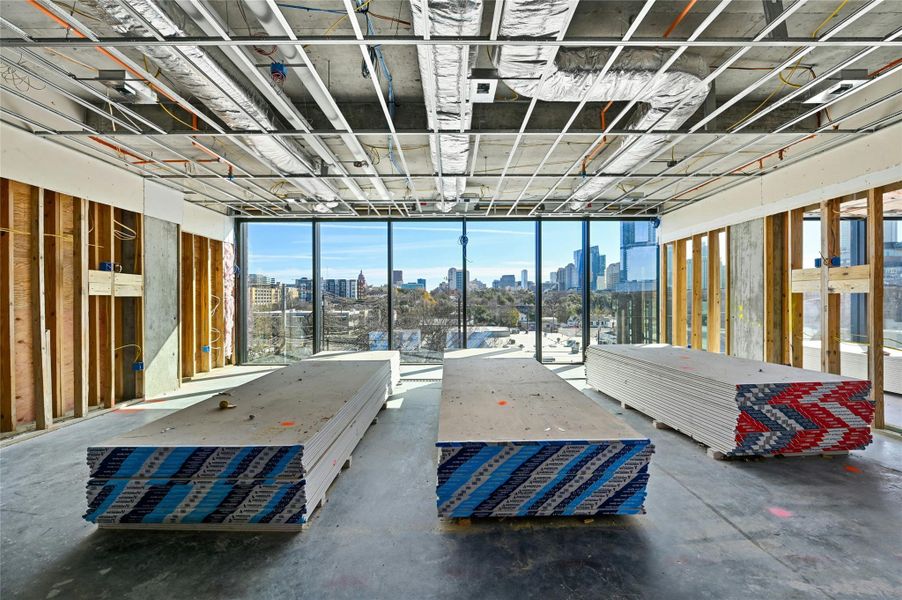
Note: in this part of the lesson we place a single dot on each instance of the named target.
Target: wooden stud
(796, 300)
(81, 337)
(188, 311)
(726, 300)
(662, 299)
(43, 408)
(106, 311)
(830, 303)
(93, 308)
(875, 303)
(204, 322)
(679, 294)
(714, 313)
(8, 316)
(697, 292)
(53, 299)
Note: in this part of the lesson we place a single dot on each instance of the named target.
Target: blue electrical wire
(380, 58)
(310, 8)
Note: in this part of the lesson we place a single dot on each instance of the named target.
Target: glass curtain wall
(623, 281)
(353, 271)
(562, 306)
(437, 304)
(279, 292)
(427, 282)
(501, 298)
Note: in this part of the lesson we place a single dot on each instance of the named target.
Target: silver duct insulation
(234, 105)
(444, 71)
(578, 70)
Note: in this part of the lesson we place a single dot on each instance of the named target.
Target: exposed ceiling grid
(355, 131)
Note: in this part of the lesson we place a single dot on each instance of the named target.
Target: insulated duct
(579, 70)
(234, 105)
(444, 71)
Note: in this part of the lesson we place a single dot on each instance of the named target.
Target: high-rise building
(256, 279)
(455, 279)
(341, 288)
(612, 275)
(420, 282)
(397, 277)
(524, 279)
(361, 285)
(596, 265)
(305, 289)
(507, 281)
(571, 276)
(638, 252)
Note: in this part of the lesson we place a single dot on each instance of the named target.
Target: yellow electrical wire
(170, 113)
(140, 354)
(343, 17)
(784, 82)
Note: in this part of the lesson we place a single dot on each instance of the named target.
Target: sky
(421, 249)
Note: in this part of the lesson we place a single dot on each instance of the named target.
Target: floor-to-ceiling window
(623, 281)
(501, 299)
(438, 301)
(428, 280)
(353, 272)
(562, 306)
(278, 293)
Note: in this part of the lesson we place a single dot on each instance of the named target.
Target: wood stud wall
(71, 333)
(786, 281)
(202, 305)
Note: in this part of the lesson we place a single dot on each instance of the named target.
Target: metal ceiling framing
(649, 193)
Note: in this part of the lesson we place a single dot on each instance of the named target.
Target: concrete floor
(780, 528)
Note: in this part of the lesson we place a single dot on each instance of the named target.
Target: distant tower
(361, 285)
(524, 279)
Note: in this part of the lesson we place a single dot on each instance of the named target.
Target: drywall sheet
(747, 289)
(161, 307)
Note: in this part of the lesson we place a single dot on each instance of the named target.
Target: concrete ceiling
(255, 189)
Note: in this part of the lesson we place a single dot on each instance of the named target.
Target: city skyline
(422, 251)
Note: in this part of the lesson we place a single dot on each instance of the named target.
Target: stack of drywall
(392, 356)
(736, 406)
(264, 461)
(516, 440)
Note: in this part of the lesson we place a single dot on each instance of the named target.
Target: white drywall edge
(33, 160)
(37, 161)
(869, 161)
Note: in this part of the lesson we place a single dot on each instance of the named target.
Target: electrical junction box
(483, 90)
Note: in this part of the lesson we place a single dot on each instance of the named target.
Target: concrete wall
(161, 307)
(747, 289)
